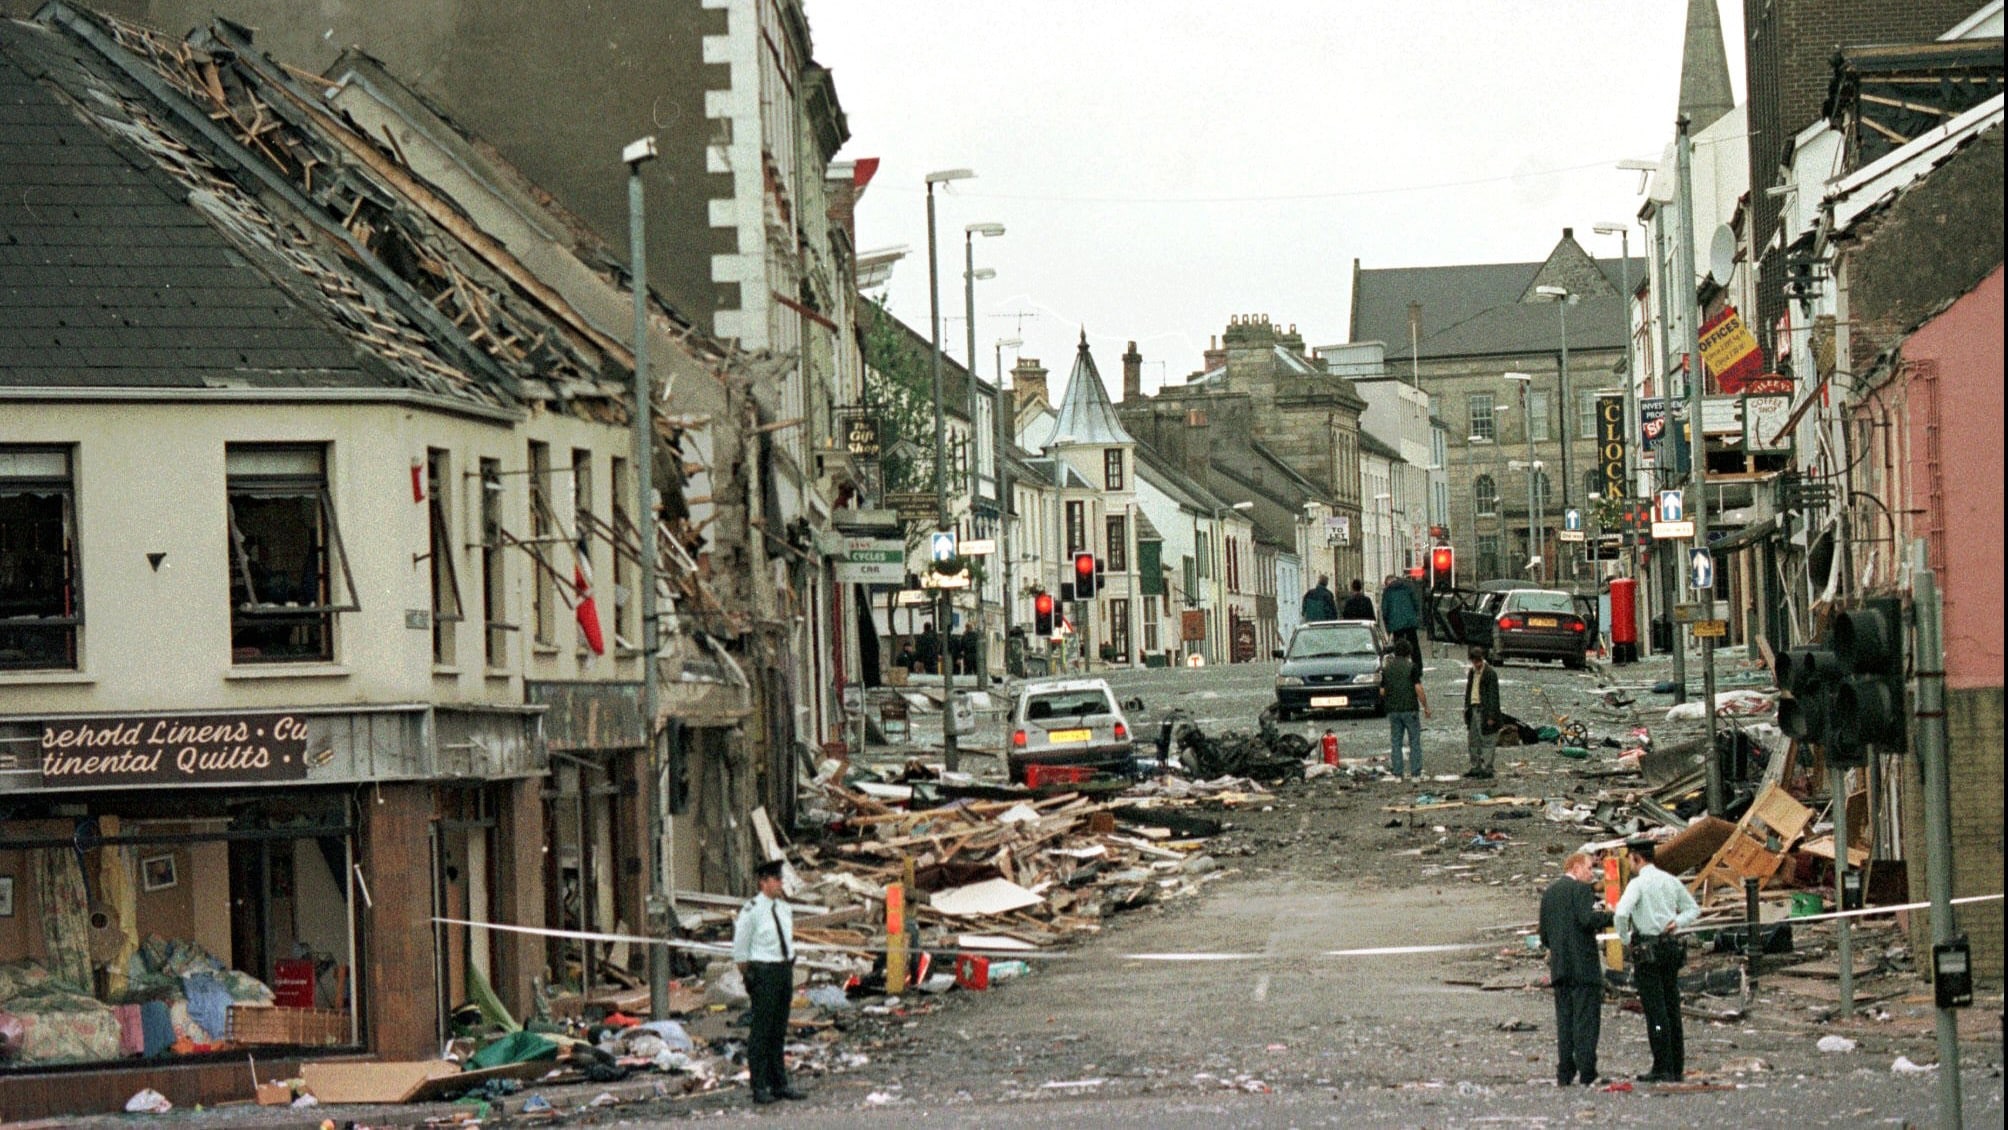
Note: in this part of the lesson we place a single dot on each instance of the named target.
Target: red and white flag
(589, 613)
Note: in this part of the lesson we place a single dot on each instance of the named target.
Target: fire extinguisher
(1330, 745)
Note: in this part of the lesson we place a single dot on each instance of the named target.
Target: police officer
(763, 945)
(1653, 908)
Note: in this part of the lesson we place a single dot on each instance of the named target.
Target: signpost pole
(1697, 436)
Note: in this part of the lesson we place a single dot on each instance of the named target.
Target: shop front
(180, 891)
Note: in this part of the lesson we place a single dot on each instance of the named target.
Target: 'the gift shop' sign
(167, 750)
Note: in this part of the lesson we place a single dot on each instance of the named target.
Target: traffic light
(1442, 568)
(1042, 613)
(1807, 676)
(1085, 576)
(1868, 704)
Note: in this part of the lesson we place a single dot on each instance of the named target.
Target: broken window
(494, 596)
(286, 548)
(543, 531)
(41, 595)
(447, 610)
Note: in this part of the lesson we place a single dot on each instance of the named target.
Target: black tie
(774, 908)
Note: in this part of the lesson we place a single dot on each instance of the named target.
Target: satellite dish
(1722, 254)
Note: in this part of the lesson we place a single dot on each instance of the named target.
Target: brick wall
(1973, 723)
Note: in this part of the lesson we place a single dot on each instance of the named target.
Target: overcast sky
(1162, 166)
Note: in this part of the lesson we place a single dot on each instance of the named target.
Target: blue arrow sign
(1701, 567)
(1572, 520)
(941, 545)
(1671, 508)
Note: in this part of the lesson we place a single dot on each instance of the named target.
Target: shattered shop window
(286, 555)
(41, 595)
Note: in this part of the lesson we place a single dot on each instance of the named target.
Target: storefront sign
(1611, 446)
(1729, 350)
(1764, 419)
(861, 436)
(179, 750)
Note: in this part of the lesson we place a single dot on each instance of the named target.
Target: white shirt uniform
(764, 931)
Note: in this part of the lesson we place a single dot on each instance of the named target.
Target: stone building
(1459, 330)
(1265, 423)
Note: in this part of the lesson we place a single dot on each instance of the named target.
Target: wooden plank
(387, 1082)
(1775, 811)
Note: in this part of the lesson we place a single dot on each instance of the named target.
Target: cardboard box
(275, 1094)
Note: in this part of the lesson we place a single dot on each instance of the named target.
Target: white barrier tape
(1249, 958)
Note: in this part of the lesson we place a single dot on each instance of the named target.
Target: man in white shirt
(763, 945)
(1653, 908)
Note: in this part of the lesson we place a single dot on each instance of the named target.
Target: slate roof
(1372, 444)
(1175, 483)
(108, 277)
(1086, 414)
(1454, 297)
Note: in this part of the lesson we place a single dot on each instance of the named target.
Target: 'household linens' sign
(167, 750)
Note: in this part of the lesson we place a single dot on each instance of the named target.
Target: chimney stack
(1028, 383)
(1132, 374)
(1214, 357)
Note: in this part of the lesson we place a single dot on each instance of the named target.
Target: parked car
(1069, 722)
(1540, 624)
(1331, 665)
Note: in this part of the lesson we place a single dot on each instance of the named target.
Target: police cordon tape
(724, 950)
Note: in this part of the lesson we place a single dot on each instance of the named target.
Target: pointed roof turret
(1086, 416)
(1704, 68)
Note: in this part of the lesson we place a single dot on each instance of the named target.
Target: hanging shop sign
(1729, 350)
(1764, 420)
(1611, 446)
(170, 750)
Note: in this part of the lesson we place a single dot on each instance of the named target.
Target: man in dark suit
(1570, 919)
(1482, 719)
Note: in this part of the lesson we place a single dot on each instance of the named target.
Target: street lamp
(1623, 232)
(949, 755)
(969, 277)
(1562, 297)
(1535, 546)
(1006, 409)
(634, 155)
(1220, 570)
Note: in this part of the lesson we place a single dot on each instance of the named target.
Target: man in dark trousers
(1482, 719)
(1358, 606)
(763, 945)
(1649, 915)
(1401, 611)
(1319, 603)
(1570, 919)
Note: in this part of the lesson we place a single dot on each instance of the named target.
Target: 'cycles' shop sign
(186, 750)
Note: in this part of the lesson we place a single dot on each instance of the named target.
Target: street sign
(879, 561)
(941, 545)
(912, 598)
(1571, 535)
(1572, 522)
(1701, 569)
(979, 547)
(1671, 508)
(933, 580)
(1711, 629)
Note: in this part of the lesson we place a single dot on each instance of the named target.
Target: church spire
(1704, 68)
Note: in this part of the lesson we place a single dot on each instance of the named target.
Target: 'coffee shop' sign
(186, 750)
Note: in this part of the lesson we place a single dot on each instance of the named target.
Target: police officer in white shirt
(763, 945)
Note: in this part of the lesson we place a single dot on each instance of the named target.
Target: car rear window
(1541, 602)
(1066, 704)
(1339, 639)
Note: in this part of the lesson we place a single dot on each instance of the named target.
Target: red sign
(1729, 351)
(1770, 384)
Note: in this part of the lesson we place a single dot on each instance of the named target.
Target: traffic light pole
(1698, 476)
(950, 756)
(1929, 658)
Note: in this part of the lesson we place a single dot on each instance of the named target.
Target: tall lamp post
(635, 155)
(1630, 489)
(970, 275)
(949, 754)
(1536, 544)
(1006, 411)
(1562, 297)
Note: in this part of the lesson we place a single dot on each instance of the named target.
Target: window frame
(1112, 468)
(1540, 416)
(1077, 527)
(494, 568)
(1115, 531)
(65, 488)
(1478, 496)
(442, 554)
(1485, 425)
(333, 551)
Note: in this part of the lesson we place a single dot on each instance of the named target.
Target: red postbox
(1624, 620)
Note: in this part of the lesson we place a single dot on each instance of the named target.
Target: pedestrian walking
(927, 650)
(1407, 705)
(1570, 919)
(1358, 606)
(763, 946)
(1482, 718)
(1401, 612)
(1319, 603)
(1654, 906)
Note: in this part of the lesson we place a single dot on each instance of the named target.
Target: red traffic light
(1043, 604)
(1042, 613)
(1084, 576)
(1442, 566)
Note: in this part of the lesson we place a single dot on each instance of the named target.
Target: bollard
(895, 939)
(1753, 946)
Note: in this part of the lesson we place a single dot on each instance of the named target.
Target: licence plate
(1060, 737)
(1329, 700)
(1543, 622)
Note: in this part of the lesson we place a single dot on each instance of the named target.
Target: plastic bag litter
(148, 1101)
(829, 998)
(938, 983)
(1836, 1044)
(670, 1032)
(727, 988)
(305, 1101)
(535, 1104)
(1904, 1066)
(604, 1098)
